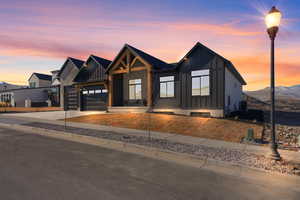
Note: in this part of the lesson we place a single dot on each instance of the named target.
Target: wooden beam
(149, 88)
(139, 68)
(110, 90)
(133, 61)
(90, 84)
(120, 71)
(127, 59)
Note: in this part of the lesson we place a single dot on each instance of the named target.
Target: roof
(84, 72)
(78, 63)
(45, 77)
(104, 62)
(228, 63)
(151, 60)
(155, 62)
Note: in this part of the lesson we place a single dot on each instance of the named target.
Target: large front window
(200, 83)
(135, 89)
(166, 86)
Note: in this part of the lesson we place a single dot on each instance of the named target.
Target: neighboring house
(67, 74)
(38, 80)
(91, 84)
(40, 90)
(17, 97)
(202, 82)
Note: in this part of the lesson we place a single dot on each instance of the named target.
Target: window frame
(165, 82)
(135, 84)
(200, 77)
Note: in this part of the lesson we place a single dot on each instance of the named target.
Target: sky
(38, 35)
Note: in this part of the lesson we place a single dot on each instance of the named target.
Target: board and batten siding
(96, 72)
(202, 59)
(233, 90)
(168, 102)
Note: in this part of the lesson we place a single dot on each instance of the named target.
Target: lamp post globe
(273, 19)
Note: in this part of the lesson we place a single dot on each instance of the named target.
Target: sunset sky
(38, 35)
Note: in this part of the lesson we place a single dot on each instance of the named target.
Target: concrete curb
(155, 153)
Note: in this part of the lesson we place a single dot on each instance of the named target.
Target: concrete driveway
(53, 115)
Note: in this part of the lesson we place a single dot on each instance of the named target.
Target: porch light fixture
(273, 19)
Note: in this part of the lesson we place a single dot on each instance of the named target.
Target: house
(37, 80)
(91, 84)
(67, 74)
(38, 93)
(201, 82)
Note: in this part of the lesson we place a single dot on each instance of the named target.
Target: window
(200, 83)
(91, 91)
(167, 86)
(85, 92)
(104, 91)
(98, 91)
(135, 89)
(32, 85)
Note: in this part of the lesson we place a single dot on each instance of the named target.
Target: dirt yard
(21, 109)
(220, 129)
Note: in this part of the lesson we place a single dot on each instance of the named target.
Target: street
(36, 167)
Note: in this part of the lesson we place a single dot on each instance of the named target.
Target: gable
(91, 72)
(69, 71)
(33, 78)
(126, 60)
(201, 55)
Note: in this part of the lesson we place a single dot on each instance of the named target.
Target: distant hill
(8, 86)
(287, 98)
(281, 92)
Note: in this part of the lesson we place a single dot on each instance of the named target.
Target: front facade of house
(202, 82)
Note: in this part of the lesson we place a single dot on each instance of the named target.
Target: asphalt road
(34, 167)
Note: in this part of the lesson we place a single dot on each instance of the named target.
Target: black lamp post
(273, 19)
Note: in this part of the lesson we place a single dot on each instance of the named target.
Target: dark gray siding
(95, 72)
(166, 102)
(202, 59)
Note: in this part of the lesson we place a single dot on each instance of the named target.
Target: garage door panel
(94, 100)
(71, 98)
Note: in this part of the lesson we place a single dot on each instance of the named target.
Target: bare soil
(220, 129)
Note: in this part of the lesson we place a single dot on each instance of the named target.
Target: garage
(71, 98)
(93, 98)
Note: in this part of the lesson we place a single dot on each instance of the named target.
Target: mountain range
(8, 86)
(281, 92)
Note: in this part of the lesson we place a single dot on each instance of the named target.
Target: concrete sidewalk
(52, 115)
(256, 149)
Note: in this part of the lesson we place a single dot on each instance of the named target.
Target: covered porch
(129, 83)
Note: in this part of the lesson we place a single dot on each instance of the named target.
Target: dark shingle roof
(155, 62)
(42, 76)
(84, 73)
(104, 62)
(151, 60)
(77, 63)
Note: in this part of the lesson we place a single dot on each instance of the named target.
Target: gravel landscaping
(288, 137)
(204, 152)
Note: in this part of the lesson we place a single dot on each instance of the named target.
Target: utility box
(250, 135)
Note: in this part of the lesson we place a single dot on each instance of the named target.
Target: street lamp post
(273, 19)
